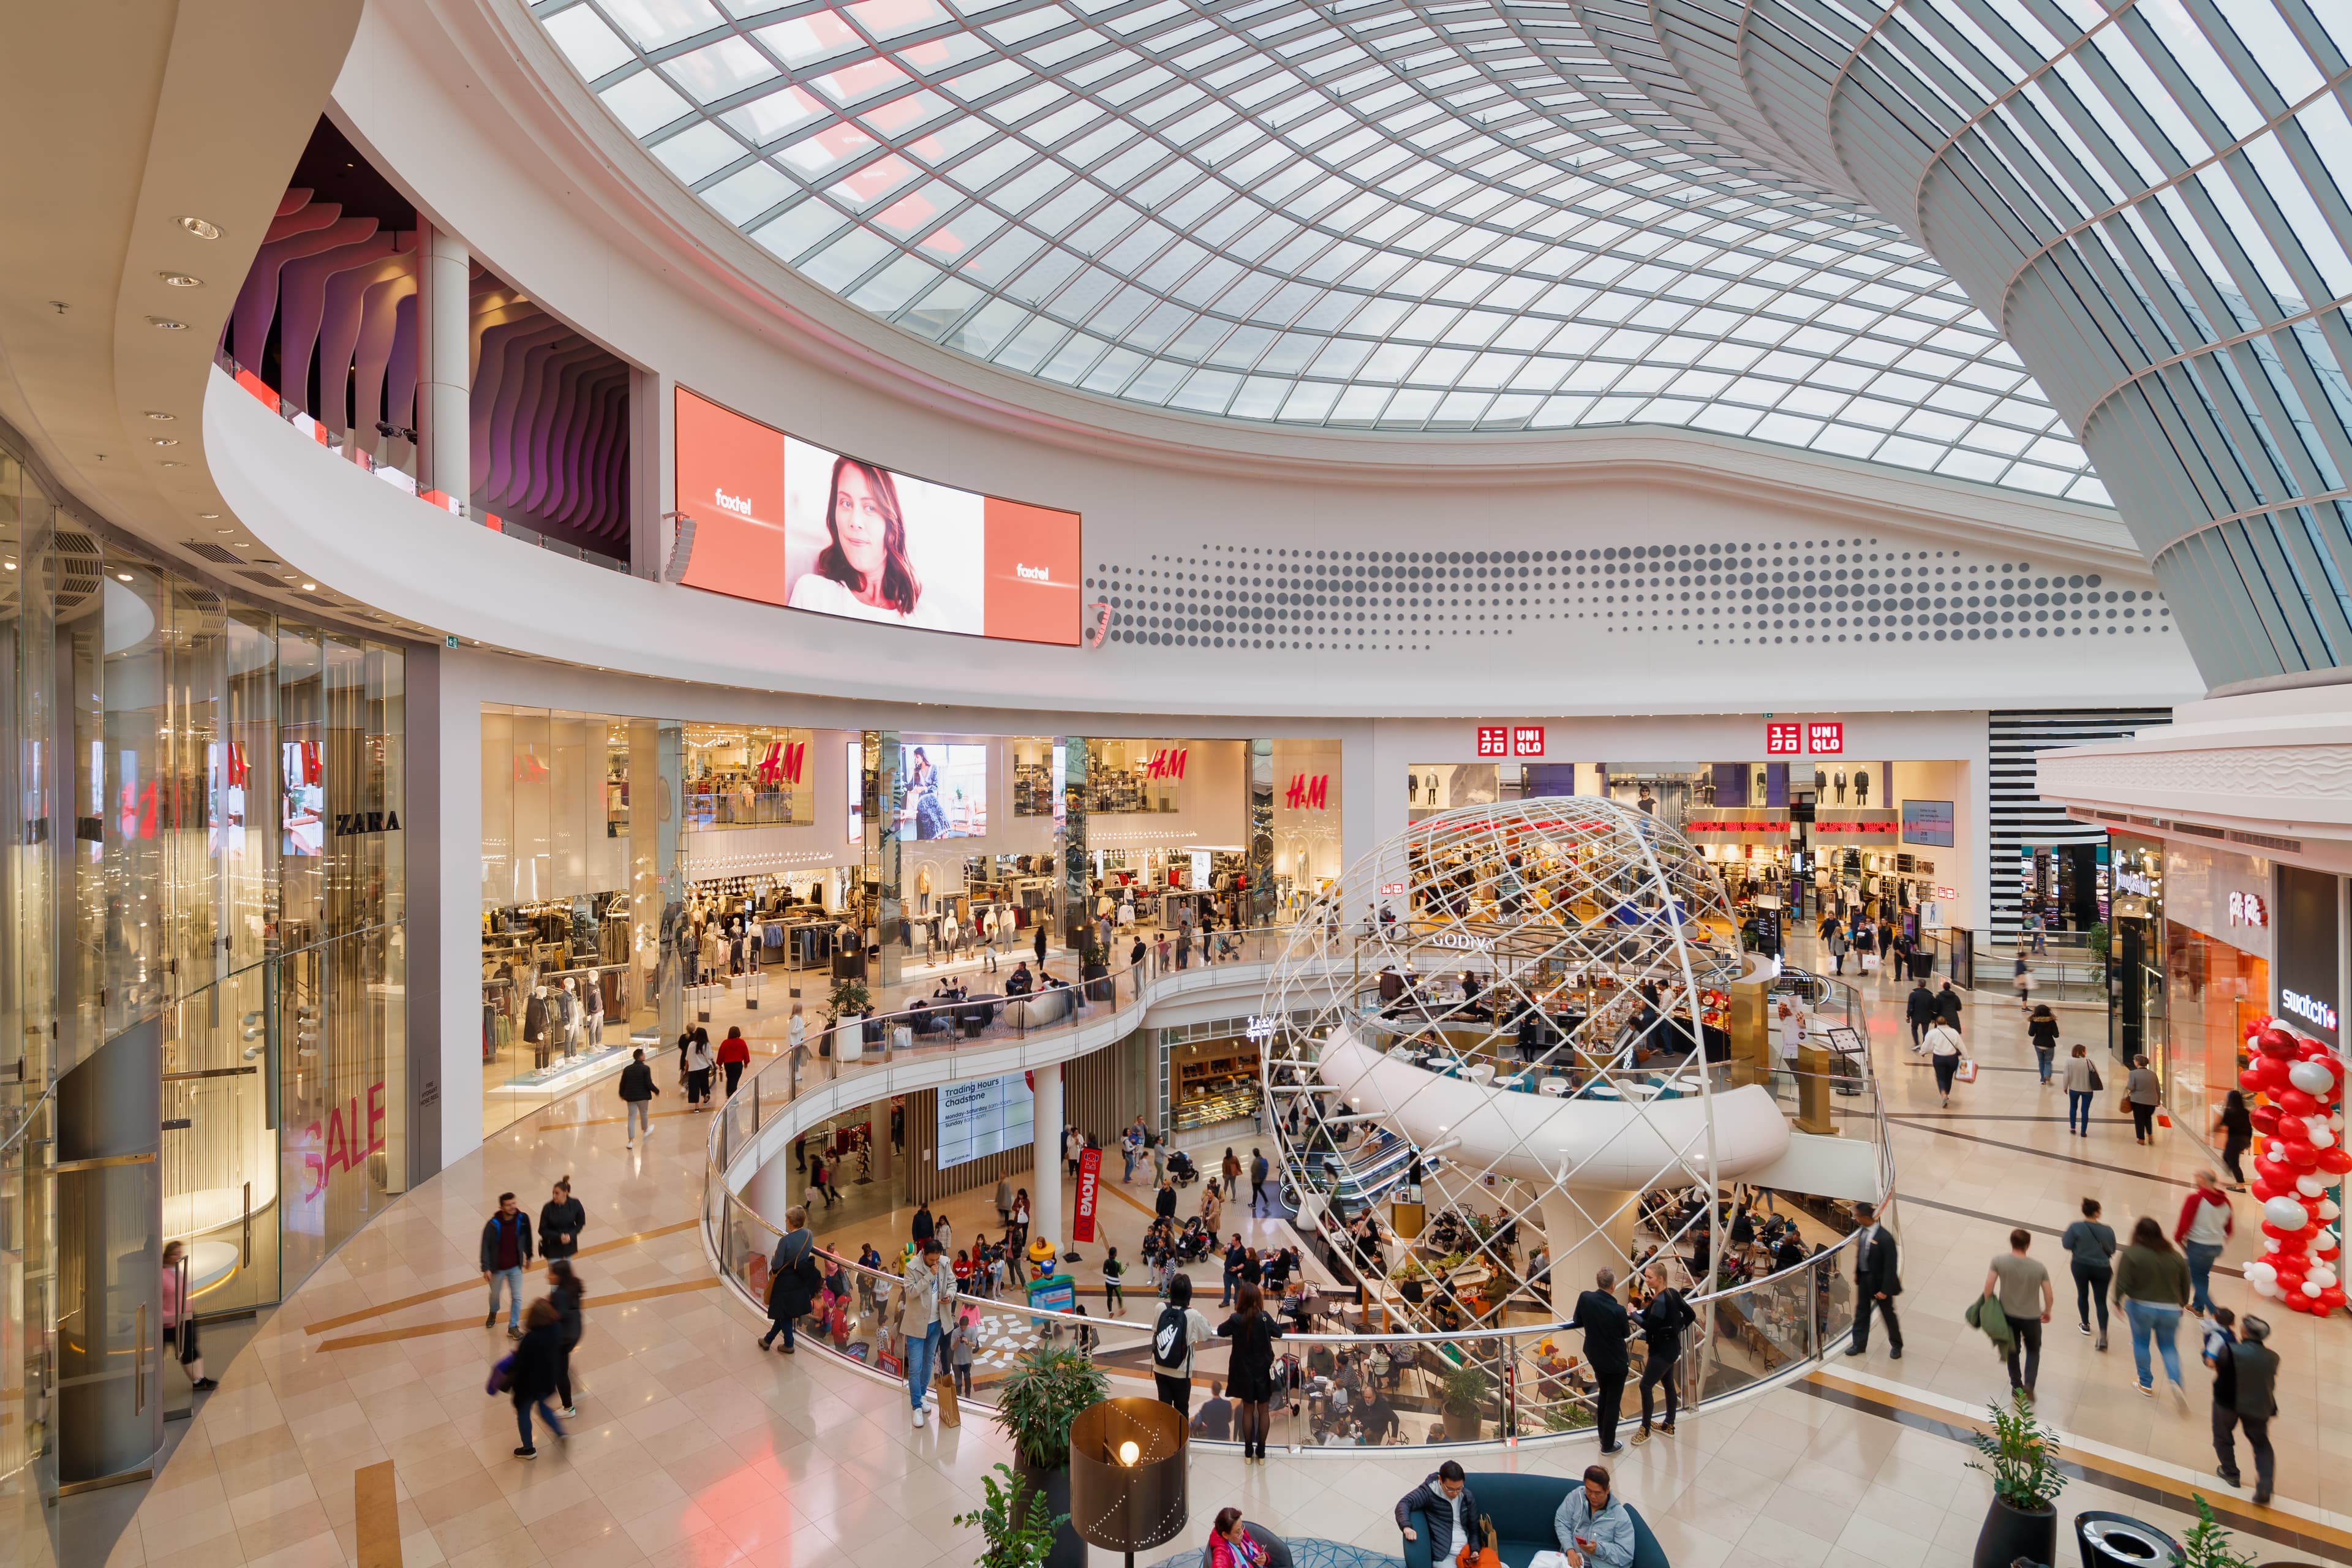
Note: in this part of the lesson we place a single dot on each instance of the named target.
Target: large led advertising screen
(943, 791)
(785, 522)
(983, 1118)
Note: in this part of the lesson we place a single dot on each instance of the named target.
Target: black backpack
(1169, 1348)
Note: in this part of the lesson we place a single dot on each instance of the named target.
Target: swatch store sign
(2305, 922)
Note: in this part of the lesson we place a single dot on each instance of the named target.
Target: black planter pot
(2011, 1534)
(1069, 1551)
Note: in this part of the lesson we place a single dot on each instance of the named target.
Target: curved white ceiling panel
(1402, 216)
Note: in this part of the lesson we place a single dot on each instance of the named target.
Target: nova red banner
(1082, 1224)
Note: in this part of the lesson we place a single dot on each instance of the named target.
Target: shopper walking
(1037, 945)
(2152, 1283)
(1606, 1326)
(1130, 1149)
(2091, 1252)
(2041, 1029)
(1840, 943)
(537, 1365)
(2234, 1125)
(2023, 1286)
(1878, 1280)
(1250, 1368)
(697, 1070)
(1947, 1006)
(926, 1312)
(793, 1279)
(2144, 1093)
(560, 1220)
(734, 1054)
(637, 1091)
(1664, 1318)
(506, 1248)
(2081, 1084)
(1258, 1179)
(1919, 1012)
(2203, 1228)
(1179, 1327)
(1943, 1043)
(180, 1323)
(2245, 1394)
(566, 1293)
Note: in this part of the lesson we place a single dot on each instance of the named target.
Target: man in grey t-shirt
(2023, 1287)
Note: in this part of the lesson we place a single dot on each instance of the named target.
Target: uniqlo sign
(1783, 740)
(1494, 741)
(1825, 740)
(1527, 740)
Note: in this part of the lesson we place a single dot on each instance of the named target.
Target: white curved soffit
(1388, 215)
(1533, 1137)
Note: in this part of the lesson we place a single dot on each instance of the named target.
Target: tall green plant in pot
(849, 999)
(1036, 1406)
(2021, 1455)
(1014, 1521)
(1464, 1391)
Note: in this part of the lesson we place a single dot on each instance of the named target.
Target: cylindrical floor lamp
(1128, 1480)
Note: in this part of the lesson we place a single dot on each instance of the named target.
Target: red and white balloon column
(2300, 1116)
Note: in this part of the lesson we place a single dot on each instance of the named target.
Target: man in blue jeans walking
(927, 1312)
(506, 1247)
(2204, 1227)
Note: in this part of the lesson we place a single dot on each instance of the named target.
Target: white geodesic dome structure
(1515, 999)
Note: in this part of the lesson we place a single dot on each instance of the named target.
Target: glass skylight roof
(1424, 217)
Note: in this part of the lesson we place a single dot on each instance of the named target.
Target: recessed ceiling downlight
(201, 228)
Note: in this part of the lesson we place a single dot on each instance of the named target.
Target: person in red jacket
(734, 1051)
(2205, 1224)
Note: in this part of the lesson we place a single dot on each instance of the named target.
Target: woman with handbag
(2142, 1094)
(1943, 1043)
(2082, 1083)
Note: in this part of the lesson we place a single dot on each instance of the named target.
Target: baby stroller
(1181, 1169)
(1194, 1242)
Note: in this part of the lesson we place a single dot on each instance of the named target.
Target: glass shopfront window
(737, 777)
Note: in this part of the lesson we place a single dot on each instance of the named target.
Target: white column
(652, 414)
(1046, 1181)
(1587, 1233)
(445, 423)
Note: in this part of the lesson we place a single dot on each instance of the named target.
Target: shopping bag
(1966, 1072)
(944, 1387)
(1869, 963)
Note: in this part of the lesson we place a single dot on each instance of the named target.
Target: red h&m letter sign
(1825, 740)
(1082, 1222)
(1783, 740)
(1527, 740)
(1494, 741)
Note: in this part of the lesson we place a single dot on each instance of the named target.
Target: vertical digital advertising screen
(989, 1117)
(785, 522)
(943, 791)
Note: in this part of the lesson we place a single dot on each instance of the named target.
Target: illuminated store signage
(2310, 1009)
(1510, 740)
(1309, 792)
(784, 522)
(1783, 740)
(1786, 738)
(2248, 909)
(1825, 740)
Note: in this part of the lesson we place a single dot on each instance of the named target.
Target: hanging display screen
(303, 795)
(943, 791)
(1927, 822)
(785, 522)
(984, 1118)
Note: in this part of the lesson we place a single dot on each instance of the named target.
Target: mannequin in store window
(1861, 786)
(573, 1016)
(593, 1032)
(535, 1022)
(1839, 779)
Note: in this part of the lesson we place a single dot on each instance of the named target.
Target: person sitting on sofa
(1445, 1498)
(1595, 1529)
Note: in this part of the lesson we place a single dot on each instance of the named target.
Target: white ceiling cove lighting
(1398, 214)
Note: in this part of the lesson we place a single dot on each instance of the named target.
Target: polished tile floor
(693, 1449)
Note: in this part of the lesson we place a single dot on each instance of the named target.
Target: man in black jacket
(506, 1248)
(2249, 1367)
(1947, 1006)
(1919, 1012)
(637, 1091)
(1605, 1324)
(1878, 1280)
(1444, 1507)
(1662, 1323)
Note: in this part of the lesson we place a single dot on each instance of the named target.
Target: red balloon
(2332, 1298)
(2276, 1042)
(2276, 1234)
(2266, 1119)
(2293, 1101)
(2335, 1159)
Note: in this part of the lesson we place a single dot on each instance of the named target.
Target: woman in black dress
(1250, 1371)
(2236, 1125)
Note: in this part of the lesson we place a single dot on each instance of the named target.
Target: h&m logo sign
(782, 761)
(348, 823)
(1167, 762)
(1308, 793)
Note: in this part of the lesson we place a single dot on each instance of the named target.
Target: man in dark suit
(1602, 1317)
(1878, 1280)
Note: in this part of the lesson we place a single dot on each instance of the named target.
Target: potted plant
(1036, 1406)
(849, 998)
(1015, 1520)
(2208, 1545)
(1092, 968)
(1463, 1392)
(2021, 1455)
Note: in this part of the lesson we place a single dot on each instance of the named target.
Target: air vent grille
(2198, 830)
(206, 549)
(2268, 841)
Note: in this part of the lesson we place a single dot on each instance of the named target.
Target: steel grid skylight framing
(1422, 216)
(2155, 199)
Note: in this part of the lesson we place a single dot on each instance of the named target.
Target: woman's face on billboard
(859, 523)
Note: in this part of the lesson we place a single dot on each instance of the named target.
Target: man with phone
(1443, 1504)
(1595, 1530)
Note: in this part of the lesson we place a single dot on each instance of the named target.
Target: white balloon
(2322, 1275)
(2311, 1286)
(2270, 1289)
(2335, 1120)
(2322, 1135)
(2310, 1186)
(2259, 1274)
(2328, 1209)
(2285, 1213)
(2310, 1077)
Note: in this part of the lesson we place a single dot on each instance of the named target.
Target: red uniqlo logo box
(1783, 740)
(1825, 740)
(1527, 740)
(1494, 741)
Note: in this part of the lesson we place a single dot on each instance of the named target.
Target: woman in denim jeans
(2081, 1086)
(2152, 1284)
(2091, 1248)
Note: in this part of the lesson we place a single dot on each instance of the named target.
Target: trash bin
(2118, 1540)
